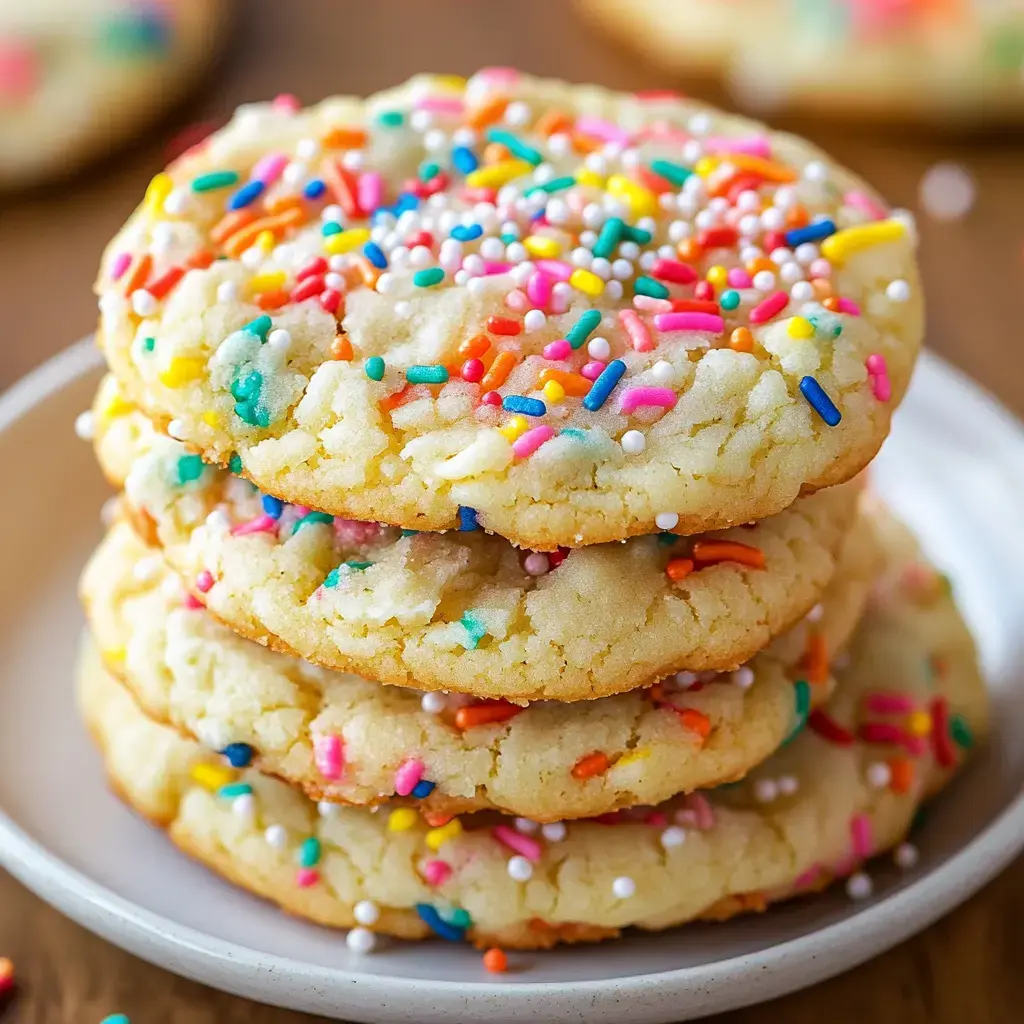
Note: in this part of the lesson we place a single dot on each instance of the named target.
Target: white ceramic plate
(954, 468)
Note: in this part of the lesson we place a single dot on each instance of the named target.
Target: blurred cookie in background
(77, 77)
(941, 62)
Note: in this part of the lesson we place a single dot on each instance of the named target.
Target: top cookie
(569, 315)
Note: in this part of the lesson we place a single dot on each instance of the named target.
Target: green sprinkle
(309, 852)
(332, 227)
(374, 368)
(575, 433)
(508, 238)
(674, 174)
(826, 324)
(235, 463)
(148, 344)
(609, 238)
(457, 917)
(516, 146)
(436, 374)
(260, 327)
(190, 467)
(961, 732)
(133, 34)
(802, 708)
(638, 235)
(475, 629)
(313, 517)
(247, 387)
(667, 538)
(583, 328)
(554, 185)
(233, 789)
(429, 170)
(730, 300)
(334, 576)
(391, 119)
(214, 180)
(409, 533)
(648, 286)
(246, 393)
(428, 278)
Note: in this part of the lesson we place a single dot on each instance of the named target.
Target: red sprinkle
(308, 288)
(769, 307)
(473, 371)
(165, 282)
(718, 238)
(315, 268)
(503, 325)
(676, 272)
(330, 301)
(941, 742)
(829, 729)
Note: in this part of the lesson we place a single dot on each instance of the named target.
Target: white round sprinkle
(218, 521)
(227, 291)
(624, 887)
(360, 940)
(536, 563)
(816, 171)
(685, 680)
(276, 836)
(663, 372)
(788, 785)
(326, 809)
(143, 302)
(366, 912)
(815, 614)
(599, 348)
(534, 320)
(764, 281)
(947, 191)
(743, 677)
(673, 836)
(520, 869)
(633, 442)
(666, 520)
(526, 826)
(879, 775)
(898, 291)
(403, 309)
(802, 291)
(859, 886)
(176, 428)
(85, 425)
(433, 703)
(279, 339)
(553, 832)
(765, 791)
(906, 856)
(244, 806)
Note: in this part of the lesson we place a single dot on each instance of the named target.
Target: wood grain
(965, 968)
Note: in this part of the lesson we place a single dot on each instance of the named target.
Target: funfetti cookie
(464, 611)
(907, 709)
(344, 739)
(568, 315)
(79, 76)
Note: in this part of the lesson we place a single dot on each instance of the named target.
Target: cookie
(954, 61)
(908, 705)
(465, 611)
(568, 315)
(79, 76)
(341, 738)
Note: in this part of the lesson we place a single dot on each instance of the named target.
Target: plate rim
(200, 956)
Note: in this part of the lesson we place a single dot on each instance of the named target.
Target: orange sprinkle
(487, 113)
(656, 693)
(816, 659)
(590, 765)
(237, 243)
(495, 153)
(710, 551)
(229, 224)
(695, 720)
(436, 819)
(498, 372)
(679, 568)
(768, 169)
(342, 185)
(344, 138)
(552, 122)
(586, 143)
(495, 961)
(755, 901)
(796, 217)
(488, 713)
(281, 203)
(410, 393)
(689, 249)
(741, 340)
(831, 304)
(367, 271)
(901, 774)
(341, 347)
(473, 348)
(761, 263)
(822, 287)
(573, 383)
(200, 259)
(138, 272)
(273, 299)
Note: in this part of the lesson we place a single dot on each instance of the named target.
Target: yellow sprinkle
(449, 83)
(115, 406)
(706, 165)
(346, 241)
(800, 328)
(586, 281)
(437, 837)
(212, 776)
(585, 176)
(496, 175)
(157, 192)
(633, 756)
(919, 723)
(515, 426)
(542, 247)
(401, 819)
(114, 654)
(212, 419)
(181, 370)
(843, 244)
(553, 391)
(718, 275)
(642, 201)
(266, 240)
(268, 282)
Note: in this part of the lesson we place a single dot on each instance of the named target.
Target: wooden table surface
(962, 969)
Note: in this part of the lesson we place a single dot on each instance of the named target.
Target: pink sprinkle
(497, 75)
(882, 703)
(526, 444)
(560, 349)
(302, 510)
(752, 145)
(674, 271)
(915, 746)
(517, 842)
(860, 833)
(767, 308)
(538, 288)
(848, 306)
(191, 602)
(557, 269)
(649, 304)
(269, 168)
(122, 261)
(592, 370)
(437, 872)
(636, 398)
(204, 581)
(440, 104)
(662, 129)
(494, 267)
(287, 103)
(328, 756)
(306, 878)
(261, 524)
(355, 533)
(636, 331)
(739, 278)
(692, 321)
(604, 130)
(370, 190)
(880, 732)
(863, 202)
(517, 301)
(881, 386)
(808, 877)
(408, 775)
(656, 818)
(705, 817)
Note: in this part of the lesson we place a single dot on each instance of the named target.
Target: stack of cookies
(492, 559)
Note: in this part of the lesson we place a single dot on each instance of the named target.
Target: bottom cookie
(909, 705)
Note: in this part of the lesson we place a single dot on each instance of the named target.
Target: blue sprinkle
(467, 519)
(375, 254)
(816, 398)
(239, 755)
(247, 194)
(604, 385)
(462, 233)
(272, 506)
(464, 159)
(525, 406)
(811, 233)
(314, 189)
(405, 201)
(422, 789)
(433, 920)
